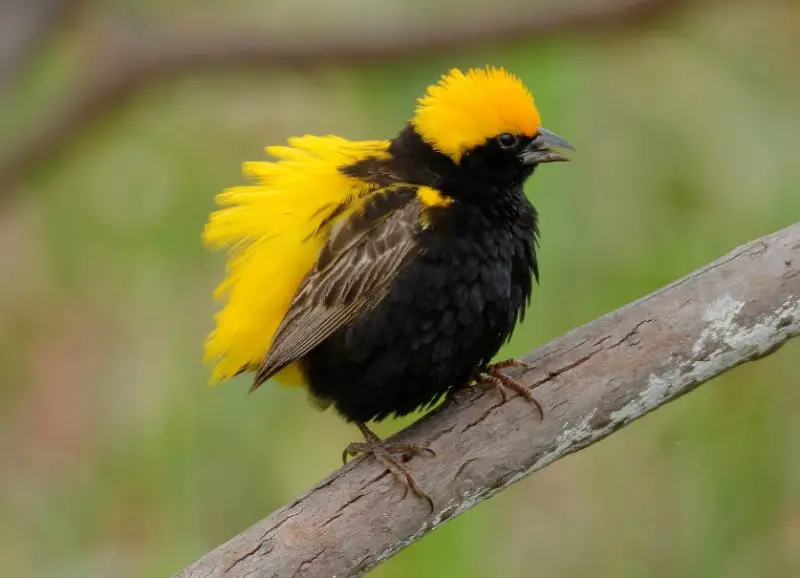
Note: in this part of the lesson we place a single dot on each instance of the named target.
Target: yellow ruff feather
(269, 230)
(463, 110)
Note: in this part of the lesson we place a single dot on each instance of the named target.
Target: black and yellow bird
(385, 274)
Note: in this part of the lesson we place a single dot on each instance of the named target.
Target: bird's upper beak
(542, 149)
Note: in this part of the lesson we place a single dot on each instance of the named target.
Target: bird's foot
(492, 377)
(390, 456)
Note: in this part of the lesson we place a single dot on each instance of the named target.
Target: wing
(353, 272)
(272, 230)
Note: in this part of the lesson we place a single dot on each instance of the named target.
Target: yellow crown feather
(464, 110)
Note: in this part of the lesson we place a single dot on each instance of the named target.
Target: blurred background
(120, 120)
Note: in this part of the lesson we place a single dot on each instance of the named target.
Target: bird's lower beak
(542, 149)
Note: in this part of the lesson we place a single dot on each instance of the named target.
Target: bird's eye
(507, 140)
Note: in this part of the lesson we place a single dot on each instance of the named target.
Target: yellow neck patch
(464, 110)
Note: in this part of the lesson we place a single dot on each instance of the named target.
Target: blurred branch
(592, 381)
(132, 59)
(24, 26)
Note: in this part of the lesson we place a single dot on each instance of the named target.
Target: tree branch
(592, 381)
(133, 59)
(24, 26)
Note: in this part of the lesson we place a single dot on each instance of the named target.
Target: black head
(499, 161)
(509, 157)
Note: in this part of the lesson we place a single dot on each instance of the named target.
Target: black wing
(355, 268)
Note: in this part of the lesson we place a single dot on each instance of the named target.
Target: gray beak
(542, 149)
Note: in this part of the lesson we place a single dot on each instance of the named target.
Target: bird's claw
(385, 454)
(492, 377)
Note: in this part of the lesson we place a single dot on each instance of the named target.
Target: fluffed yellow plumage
(271, 230)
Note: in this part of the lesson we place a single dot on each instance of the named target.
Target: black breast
(446, 314)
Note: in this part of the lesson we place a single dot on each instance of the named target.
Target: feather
(355, 268)
(273, 231)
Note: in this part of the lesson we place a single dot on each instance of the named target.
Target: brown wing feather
(354, 270)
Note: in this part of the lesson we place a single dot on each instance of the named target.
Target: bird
(384, 275)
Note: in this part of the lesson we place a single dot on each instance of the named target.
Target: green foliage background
(116, 459)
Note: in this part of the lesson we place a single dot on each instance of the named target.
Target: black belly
(446, 314)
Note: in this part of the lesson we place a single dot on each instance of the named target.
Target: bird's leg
(492, 377)
(385, 454)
